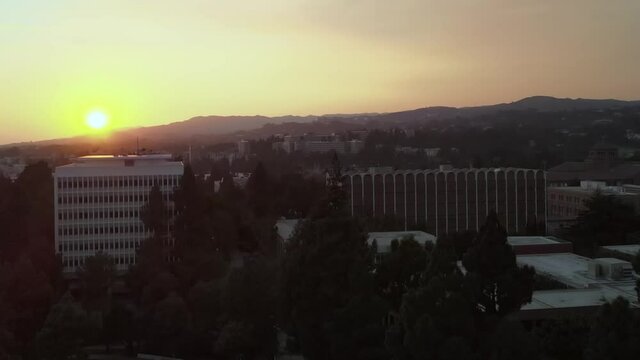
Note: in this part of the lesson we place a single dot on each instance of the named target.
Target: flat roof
(582, 191)
(390, 170)
(532, 240)
(97, 165)
(611, 261)
(121, 165)
(126, 156)
(632, 249)
(569, 269)
(383, 239)
(571, 298)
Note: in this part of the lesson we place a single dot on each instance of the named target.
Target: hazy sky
(150, 62)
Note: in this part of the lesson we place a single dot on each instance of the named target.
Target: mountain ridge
(215, 125)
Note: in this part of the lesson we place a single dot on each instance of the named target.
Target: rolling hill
(211, 127)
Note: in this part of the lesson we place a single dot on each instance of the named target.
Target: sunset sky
(151, 62)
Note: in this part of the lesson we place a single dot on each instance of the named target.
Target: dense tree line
(525, 138)
(606, 221)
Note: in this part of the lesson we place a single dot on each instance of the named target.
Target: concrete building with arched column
(449, 200)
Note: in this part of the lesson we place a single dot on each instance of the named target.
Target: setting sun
(97, 120)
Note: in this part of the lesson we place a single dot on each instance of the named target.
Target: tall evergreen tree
(326, 278)
(154, 214)
(436, 315)
(498, 285)
(401, 269)
(192, 228)
(154, 252)
(337, 199)
(335, 202)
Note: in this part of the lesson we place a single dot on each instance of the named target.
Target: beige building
(565, 203)
(449, 200)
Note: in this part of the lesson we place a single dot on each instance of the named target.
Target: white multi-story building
(98, 200)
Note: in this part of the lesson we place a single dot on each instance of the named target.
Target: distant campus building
(312, 143)
(602, 164)
(566, 203)
(98, 200)
(449, 200)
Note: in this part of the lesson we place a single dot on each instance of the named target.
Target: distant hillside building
(449, 200)
(98, 200)
(239, 181)
(602, 164)
(311, 143)
(244, 148)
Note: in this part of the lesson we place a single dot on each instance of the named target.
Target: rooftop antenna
(137, 145)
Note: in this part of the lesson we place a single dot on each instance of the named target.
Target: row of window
(567, 198)
(75, 261)
(64, 199)
(127, 213)
(84, 245)
(116, 181)
(564, 211)
(100, 214)
(101, 229)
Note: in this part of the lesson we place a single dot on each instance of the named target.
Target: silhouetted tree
(335, 201)
(258, 187)
(64, 332)
(171, 325)
(96, 277)
(25, 297)
(607, 221)
(154, 214)
(498, 285)
(204, 300)
(511, 341)
(401, 269)
(614, 333)
(327, 266)
(249, 310)
(563, 338)
(118, 325)
(337, 198)
(437, 315)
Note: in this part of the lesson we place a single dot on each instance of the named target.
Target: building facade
(603, 163)
(312, 143)
(98, 200)
(570, 201)
(244, 148)
(566, 203)
(449, 200)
